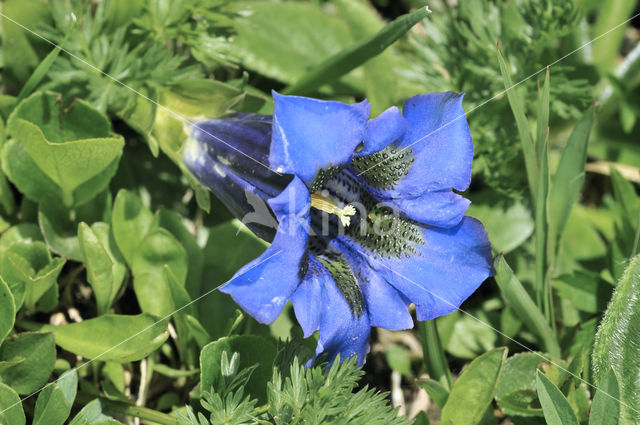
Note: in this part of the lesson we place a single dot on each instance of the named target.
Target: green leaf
(131, 221)
(438, 393)
(398, 359)
(173, 223)
(380, 78)
(91, 414)
(508, 222)
(23, 172)
(201, 98)
(434, 358)
(616, 342)
(557, 410)
(245, 345)
(518, 108)
(542, 123)
(519, 299)
(568, 179)
(472, 393)
(26, 360)
(105, 265)
(40, 71)
(264, 41)
(334, 67)
(122, 338)
(7, 310)
(55, 400)
(59, 225)
(516, 393)
(20, 49)
(157, 249)
(30, 264)
(605, 409)
(586, 291)
(71, 146)
(11, 411)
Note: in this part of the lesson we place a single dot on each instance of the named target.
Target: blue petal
(310, 134)
(263, 286)
(439, 136)
(448, 268)
(387, 308)
(341, 332)
(306, 301)
(383, 130)
(441, 209)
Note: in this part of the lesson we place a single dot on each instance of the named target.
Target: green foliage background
(106, 238)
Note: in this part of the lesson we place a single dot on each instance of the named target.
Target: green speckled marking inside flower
(323, 176)
(386, 168)
(345, 279)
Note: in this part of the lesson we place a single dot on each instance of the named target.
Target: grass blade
(434, 358)
(542, 124)
(518, 297)
(568, 180)
(517, 107)
(342, 62)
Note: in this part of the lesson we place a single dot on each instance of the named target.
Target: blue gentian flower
(362, 220)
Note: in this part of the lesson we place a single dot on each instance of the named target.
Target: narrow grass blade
(543, 291)
(517, 107)
(542, 124)
(434, 358)
(40, 71)
(342, 62)
(568, 179)
(557, 410)
(518, 297)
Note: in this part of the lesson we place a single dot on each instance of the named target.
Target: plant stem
(434, 357)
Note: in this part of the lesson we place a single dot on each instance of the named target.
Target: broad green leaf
(264, 41)
(122, 338)
(157, 249)
(471, 336)
(130, 221)
(616, 342)
(508, 222)
(605, 409)
(10, 407)
(141, 117)
(26, 360)
(556, 408)
(586, 291)
(22, 232)
(92, 414)
(32, 265)
(59, 225)
(23, 172)
(519, 299)
(7, 310)
(474, 390)
(568, 179)
(245, 345)
(105, 266)
(70, 145)
(516, 393)
(173, 223)
(438, 393)
(55, 400)
(398, 359)
(516, 102)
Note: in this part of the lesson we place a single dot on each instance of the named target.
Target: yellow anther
(323, 203)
